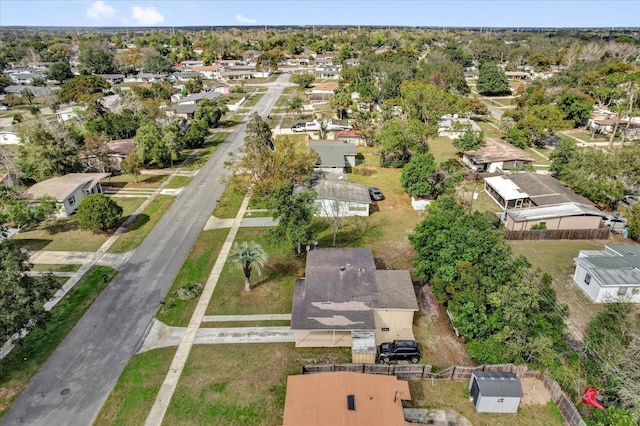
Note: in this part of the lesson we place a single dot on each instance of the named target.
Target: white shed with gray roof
(495, 391)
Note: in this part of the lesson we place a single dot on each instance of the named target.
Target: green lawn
(131, 399)
(196, 268)
(273, 290)
(204, 153)
(144, 223)
(240, 384)
(145, 181)
(442, 149)
(17, 368)
(230, 201)
(62, 234)
(179, 182)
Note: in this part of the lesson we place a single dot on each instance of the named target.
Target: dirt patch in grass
(131, 399)
(142, 225)
(240, 384)
(556, 258)
(196, 268)
(454, 395)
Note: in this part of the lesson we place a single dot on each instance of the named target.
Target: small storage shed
(495, 392)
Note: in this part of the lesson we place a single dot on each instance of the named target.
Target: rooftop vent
(342, 267)
(351, 402)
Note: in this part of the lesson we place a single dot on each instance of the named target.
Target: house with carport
(609, 275)
(495, 156)
(344, 301)
(68, 190)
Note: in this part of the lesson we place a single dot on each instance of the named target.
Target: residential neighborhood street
(73, 384)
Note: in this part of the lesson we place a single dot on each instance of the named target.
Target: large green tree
(469, 141)
(421, 177)
(294, 212)
(60, 71)
(98, 213)
(249, 257)
(22, 296)
(97, 57)
(157, 64)
(492, 81)
(82, 88)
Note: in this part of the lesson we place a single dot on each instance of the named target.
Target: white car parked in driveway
(615, 223)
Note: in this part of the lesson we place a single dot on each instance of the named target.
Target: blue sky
(505, 13)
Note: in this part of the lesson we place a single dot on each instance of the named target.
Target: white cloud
(245, 20)
(146, 16)
(99, 10)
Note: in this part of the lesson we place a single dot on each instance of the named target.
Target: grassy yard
(196, 268)
(144, 223)
(252, 100)
(585, 136)
(179, 182)
(230, 202)
(145, 181)
(204, 153)
(55, 268)
(62, 234)
(442, 149)
(232, 384)
(290, 119)
(17, 368)
(131, 399)
(454, 395)
(537, 154)
(273, 290)
(489, 130)
(556, 258)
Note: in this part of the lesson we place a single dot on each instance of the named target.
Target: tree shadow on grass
(34, 244)
(53, 227)
(138, 222)
(278, 271)
(152, 178)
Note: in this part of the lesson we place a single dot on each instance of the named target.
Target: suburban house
(242, 74)
(334, 155)
(495, 391)
(521, 190)
(453, 127)
(115, 151)
(186, 75)
(9, 136)
(324, 58)
(496, 155)
(609, 275)
(67, 114)
(351, 136)
(322, 92)
(328, 72)
(208, 71)
(216, 86)
(337, 198)
(112, 78)
(345, 399)
(194, 98)
(186, 111)
(38, 91)
(343, 301)
(191, 64)
(554, 216)
(68, 190)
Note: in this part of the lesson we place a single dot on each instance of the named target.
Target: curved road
(72, 385)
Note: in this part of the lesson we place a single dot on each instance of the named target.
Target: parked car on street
(615, 223)
(398, 350)
(376, 194)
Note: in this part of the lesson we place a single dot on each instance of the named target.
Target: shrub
(97, 212)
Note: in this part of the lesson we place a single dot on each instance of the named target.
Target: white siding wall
(490, 404)
(328, 208)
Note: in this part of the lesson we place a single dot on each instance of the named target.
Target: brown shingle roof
(497, 150)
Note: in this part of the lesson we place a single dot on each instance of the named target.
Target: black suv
(399, 350)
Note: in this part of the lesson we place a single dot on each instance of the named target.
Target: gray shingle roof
(545, 190)
(341, 289)
(332, 154)
(342, 191)
(498, 383)
(62, 186)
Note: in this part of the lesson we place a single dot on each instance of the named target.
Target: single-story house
(208, 71)
(194, 98)
(68, 190)
(352, 61)
(609, 275)
(497, 155)
(324, 58)
(351, 136)
(38, 91)
(328, 72)
(345, 399)
(453, 127)
(236, 74)
(190, 64)
(337, 198)
(186, 75)
(9, 136)
(112, 78)
(555, 216)
(521, 190)
(343, 301)
(216, 86)
(66, 114)
(334, 155)
(495, 391)
(518, 75)
(186, 111)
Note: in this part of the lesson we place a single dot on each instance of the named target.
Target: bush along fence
(424, 371)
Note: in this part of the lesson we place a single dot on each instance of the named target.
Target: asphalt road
(73, 384)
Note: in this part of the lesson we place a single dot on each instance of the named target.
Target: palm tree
(248, 256)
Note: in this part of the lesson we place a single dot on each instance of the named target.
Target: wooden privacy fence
(559, 234)
(566, 407)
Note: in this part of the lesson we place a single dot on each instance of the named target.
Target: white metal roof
(552, 211)
(507, 189)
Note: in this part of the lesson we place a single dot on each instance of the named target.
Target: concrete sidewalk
(113, 260)
(247, 222)
(162, 336)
